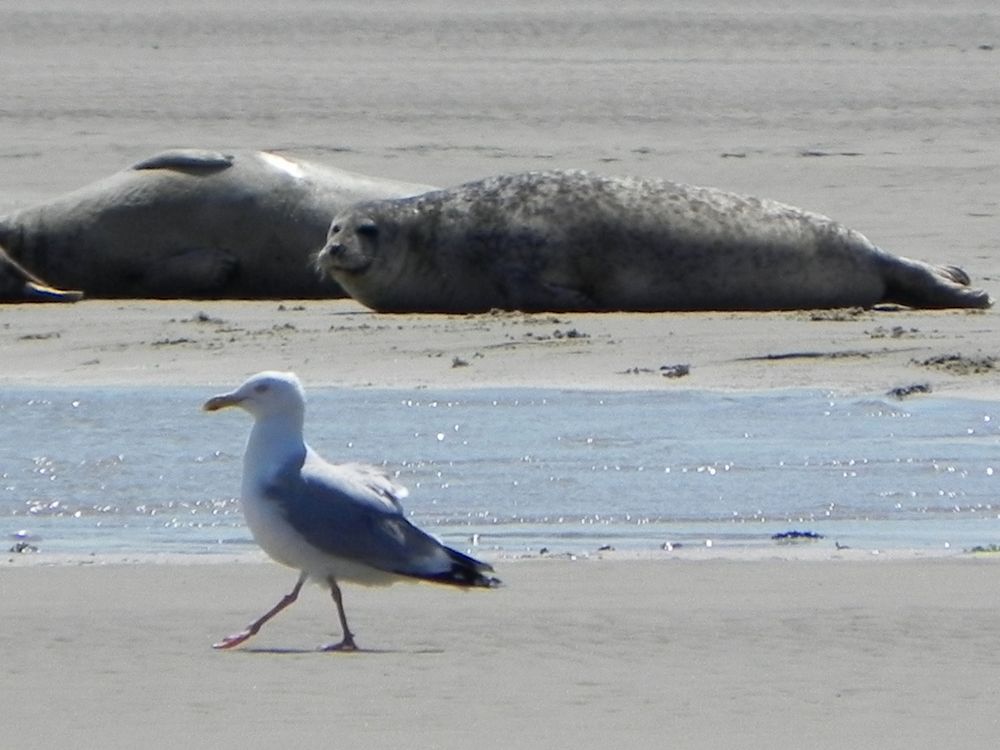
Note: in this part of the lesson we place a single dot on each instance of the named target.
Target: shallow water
(142, 470)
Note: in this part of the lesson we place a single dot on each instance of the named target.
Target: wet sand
(692, 654)
(339, 342)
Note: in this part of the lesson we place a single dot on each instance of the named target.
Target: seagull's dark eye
(262, 388)
(367, 229)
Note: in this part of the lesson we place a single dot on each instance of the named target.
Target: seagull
(331, 522)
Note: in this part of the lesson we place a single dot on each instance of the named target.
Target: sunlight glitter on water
(144, 470)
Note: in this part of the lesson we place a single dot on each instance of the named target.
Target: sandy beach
(719, 653)
(339, 342)
(765, 650)
(881, 118)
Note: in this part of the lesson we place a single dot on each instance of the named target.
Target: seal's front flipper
(187, 160)
(563, 298)
(534, 288)
(199, 273)
(543, 295)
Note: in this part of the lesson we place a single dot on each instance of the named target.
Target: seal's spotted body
(579, 241)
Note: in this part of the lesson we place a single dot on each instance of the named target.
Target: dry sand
(881, 118)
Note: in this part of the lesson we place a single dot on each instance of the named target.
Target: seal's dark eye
(367, 229)
(262, 388)
(335, 228)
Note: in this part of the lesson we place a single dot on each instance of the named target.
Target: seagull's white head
(263, 395)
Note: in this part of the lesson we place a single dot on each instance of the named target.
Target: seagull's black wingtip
(466, 572)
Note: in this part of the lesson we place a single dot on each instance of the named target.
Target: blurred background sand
(882, 117)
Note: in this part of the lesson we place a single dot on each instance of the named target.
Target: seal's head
(351, 245)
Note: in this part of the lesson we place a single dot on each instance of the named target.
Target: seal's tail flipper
(35, 292)
(917, 284)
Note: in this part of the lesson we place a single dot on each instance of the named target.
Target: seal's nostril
(330, 249)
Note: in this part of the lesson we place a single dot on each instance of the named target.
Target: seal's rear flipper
(17, 284)
(958, 275)
(35, 292)
(918, 284)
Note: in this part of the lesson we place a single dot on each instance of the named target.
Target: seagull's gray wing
(374, 480)
(353, 512)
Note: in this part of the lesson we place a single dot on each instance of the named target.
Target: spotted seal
(188, 223)
(578, 241)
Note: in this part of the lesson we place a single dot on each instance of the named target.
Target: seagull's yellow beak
(221, 402)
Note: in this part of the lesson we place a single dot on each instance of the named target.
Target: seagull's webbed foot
(347, 644)
(231, 641)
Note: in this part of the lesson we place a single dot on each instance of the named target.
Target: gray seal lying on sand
(188, 223)
(576, 241)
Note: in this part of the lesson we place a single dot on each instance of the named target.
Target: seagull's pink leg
(237, 638)
(347, 644)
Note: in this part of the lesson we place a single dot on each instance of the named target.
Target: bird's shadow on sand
(290, 651)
